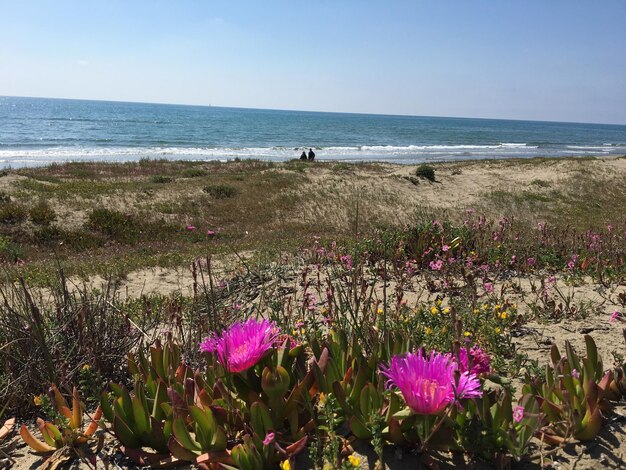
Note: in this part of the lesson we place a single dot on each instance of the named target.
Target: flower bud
(275, 383)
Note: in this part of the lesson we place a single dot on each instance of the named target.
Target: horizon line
(315, 111)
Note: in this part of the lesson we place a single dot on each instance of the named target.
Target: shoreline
(322, 160)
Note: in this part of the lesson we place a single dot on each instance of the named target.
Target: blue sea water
(40, 131)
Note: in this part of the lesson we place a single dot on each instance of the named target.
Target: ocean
(40, 131)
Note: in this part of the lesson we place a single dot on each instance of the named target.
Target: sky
(559, 60)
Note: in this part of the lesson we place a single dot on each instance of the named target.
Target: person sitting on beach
(303, 156)
(311, 155)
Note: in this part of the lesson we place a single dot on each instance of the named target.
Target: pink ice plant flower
(242, 345)
(481, 363)
(427, 383)
(518, 414)
(269, 438)
(615, 316)
(191, 227)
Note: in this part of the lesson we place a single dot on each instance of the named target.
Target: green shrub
(115, 224)
(4, 198)
(160, 179)
(194, 173)
(220, 191)
(47, 235)
(10, 251)
(82, 240)
(42, 213)
(12, 213)
(426, 172)
(75, 239)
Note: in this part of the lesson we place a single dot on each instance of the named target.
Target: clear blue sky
(527, 59)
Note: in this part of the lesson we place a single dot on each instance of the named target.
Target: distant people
(311, 155)
(303, 156)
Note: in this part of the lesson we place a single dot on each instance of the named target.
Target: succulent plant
(572, 394)
(66, 435)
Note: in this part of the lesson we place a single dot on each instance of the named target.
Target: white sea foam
(406, 154)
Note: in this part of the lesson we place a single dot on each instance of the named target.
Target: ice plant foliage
(428, 383)
(242, 345)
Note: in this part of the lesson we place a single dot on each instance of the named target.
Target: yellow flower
(294, 333)
(86, 367)
(496, 307)
(285, 465)
(476, 311)
(446, 310)
(433, 310)
(485, 306)
(498, 330)
(380, 311)
(467, 333)
(438, 301)
(503, 315)
(354, 461)
(428, 330)
(322, 399)
(38, 400)
(444, 329)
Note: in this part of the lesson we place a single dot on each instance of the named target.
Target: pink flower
(191, 228)
(347, 261)
(269, 438)
(436, 266)
(615, 316)
(518, 413)
(488, 286)
(445, 248)
(210, 233)
(427, 383)
(242, 345)
(575, 374)
(531, 261)
(480, 361)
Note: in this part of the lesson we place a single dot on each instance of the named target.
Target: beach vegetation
(42, 213)
(404, 337)
(194, 173)
(10, 251)
(12, 213)
(220, 191)
(426, 172)
(540, 183)
(160, 179)
(115, 224)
